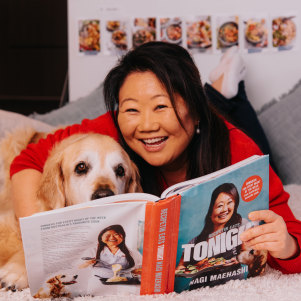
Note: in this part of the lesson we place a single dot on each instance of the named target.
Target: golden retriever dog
(80, 168)
(254, 259)
(56, 287)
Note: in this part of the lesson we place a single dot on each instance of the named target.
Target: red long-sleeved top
(241, 147)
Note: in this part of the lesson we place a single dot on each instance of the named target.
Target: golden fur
(56, 287)
(80, 168)
(254, 259)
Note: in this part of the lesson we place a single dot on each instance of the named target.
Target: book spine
(173, 244)
(159, 239)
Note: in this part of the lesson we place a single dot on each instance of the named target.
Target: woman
(222, 212)
(161, 115)
(221, 215)
(112, 250)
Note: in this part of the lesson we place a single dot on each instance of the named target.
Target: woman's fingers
(267, 216)
(271, 236)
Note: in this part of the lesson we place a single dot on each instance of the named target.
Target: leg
(237, 109)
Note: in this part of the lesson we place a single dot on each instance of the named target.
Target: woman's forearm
(24, 192)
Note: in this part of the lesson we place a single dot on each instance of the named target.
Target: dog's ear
(51, 190)
(133, 183)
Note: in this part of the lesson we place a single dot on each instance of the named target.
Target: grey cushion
(90, 106)
(281, 122)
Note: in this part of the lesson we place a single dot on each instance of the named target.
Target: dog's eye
(119, 171)
(81, 168)
(251, 252)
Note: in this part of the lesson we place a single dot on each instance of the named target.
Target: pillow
(281, 122)
(10, 121)
(90, 106)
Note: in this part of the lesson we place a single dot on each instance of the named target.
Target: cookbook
(138, 243)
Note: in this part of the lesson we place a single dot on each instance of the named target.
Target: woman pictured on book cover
(113, 261)
(222, 216)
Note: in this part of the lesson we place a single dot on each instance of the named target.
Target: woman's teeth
(154, 140)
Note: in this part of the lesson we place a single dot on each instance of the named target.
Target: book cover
(213, 215)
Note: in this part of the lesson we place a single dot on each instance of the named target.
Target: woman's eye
(131, 110)
(119, 171)
(159, 107)
(81, 168)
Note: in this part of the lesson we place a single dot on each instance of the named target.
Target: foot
(233, 74)
(218, 71)
(13, 274)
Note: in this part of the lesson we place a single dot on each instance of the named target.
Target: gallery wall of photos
(199, 34)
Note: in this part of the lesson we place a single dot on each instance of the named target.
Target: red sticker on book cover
(251, 188)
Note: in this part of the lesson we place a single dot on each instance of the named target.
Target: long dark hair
(122, 246)
(231, 190)
(174, 67)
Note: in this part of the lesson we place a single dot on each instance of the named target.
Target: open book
(139, 243)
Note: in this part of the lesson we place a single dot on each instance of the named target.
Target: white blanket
(273, 285)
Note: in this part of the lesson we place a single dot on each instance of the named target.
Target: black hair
(209, 150)
(231, 190)
(122, 246)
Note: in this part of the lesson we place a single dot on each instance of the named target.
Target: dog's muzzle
(101, 193)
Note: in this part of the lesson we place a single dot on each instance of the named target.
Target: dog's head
(85, 167)
(255, 259)
(61, 280)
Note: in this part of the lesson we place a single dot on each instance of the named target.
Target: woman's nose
(148, 122)
(225, 207)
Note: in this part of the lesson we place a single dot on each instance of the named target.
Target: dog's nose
(101, 193)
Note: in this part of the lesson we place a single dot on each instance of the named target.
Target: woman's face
(111, 238)
(149, 124)
(223, 209)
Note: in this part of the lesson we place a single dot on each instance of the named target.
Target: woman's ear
(197, 127)
(51, 193)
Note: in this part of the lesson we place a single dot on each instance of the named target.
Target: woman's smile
(154, 144)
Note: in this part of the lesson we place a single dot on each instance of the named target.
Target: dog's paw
(13, 276)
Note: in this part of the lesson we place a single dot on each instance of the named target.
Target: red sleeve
(35, 155)
(243, 147)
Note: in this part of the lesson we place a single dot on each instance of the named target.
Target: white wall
(269, 74)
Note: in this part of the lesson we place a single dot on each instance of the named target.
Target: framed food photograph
(227, 31)
(143, 31)
(171, 30)
(255, 32)
(89, 36)
(116, 36)
(199, 34)
(284, 31)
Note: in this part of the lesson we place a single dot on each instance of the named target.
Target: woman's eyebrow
(127, 99)
(136, 100)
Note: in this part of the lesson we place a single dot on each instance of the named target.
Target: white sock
(235, 72)
(217, 72)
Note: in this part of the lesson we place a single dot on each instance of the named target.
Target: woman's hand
(87, 264)
(271, 236)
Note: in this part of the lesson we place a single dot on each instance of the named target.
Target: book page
(107, 200)
(62, 247)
